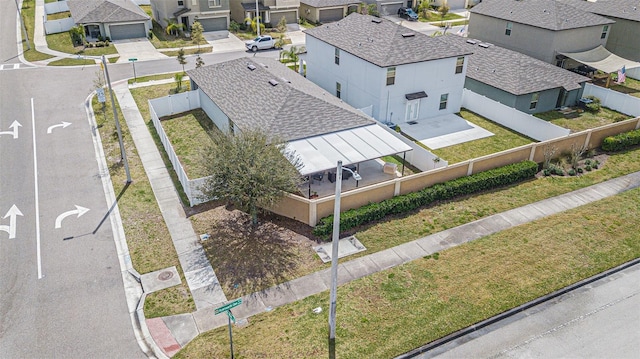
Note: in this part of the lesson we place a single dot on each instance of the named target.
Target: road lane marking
(62, 124)
(79, 211)
(11, 228)
(35, 181)
(14, 130)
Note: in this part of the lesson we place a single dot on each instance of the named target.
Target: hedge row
(442, 191)
(621, 141)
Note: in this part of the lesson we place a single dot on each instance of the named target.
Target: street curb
(511, 312)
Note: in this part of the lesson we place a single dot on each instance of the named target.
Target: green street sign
(228, 306)
(133, 59)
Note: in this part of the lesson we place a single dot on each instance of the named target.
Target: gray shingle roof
(105, 11)
(512, 71)
(623, 9)
(546, 14)
(328, 3)
(382, 43)
(290, 110)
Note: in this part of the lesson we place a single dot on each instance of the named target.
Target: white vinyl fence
(509, 117)
(56, 7)
(170, 105)
(614, 100)
(420, 157)
(57, 26)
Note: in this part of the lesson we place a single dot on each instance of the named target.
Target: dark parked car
(407, 13)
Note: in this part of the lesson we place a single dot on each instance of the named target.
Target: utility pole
(258, 18)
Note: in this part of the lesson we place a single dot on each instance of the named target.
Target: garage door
(129, 31)
(329, 15)
(291, 17)
(390, 9)
(214, 24)
(456, 4)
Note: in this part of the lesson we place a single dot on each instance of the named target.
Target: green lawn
(503, 139)
(62, 42)
(583, 120)
(58, 16)
(630, 86)
(28, 17)
(72, 62)
(162, 40)
(203, 50)
(434, 16)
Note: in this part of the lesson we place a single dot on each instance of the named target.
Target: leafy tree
(173, 27)
(178, 77)
(181, 59)
(369, 9)
(424, 8)
(249, 170)
(196, 34)
(254, 24)
(443, 9)
(291, 55)
(282, 25)
(199, 62)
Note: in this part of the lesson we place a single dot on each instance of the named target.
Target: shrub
(588, 168)
(234, 26)
(620, 118)
(442, 191)
(580, 170)
(546, 172)
(587, 162)
(593, 107)
(621, 141)
(572, 172)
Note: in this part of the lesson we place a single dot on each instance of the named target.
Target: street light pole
(334, 258)
(257, 18)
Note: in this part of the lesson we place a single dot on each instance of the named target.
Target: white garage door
(129, 31)
(291, 17)
(390, 9)
(214, 24)
(329, 15)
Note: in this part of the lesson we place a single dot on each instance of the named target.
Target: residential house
(539, 28)
(214, 15)
(324, 11)
(391, 72)
(453, 4)
(386, 7)
(271, 11)
(262, 93)
(113, 19)
(518, 80)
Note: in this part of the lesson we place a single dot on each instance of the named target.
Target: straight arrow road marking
(79, 211)
(62, 124)
(11, 228)
(14, 130)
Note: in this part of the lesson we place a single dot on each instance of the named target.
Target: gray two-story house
(539, 28)
(270, 11)
(214, 15)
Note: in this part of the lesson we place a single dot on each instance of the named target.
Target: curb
(511, 312)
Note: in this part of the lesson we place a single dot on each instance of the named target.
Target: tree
(249, 170)
(291, 55)
(369, 9)
(199, 62)
(178, 77)
(443, 9)
(254, 24)
(181, 59)
(77, 35)
(196, 34)
(282, 25)
(424, 8)
(173, 27)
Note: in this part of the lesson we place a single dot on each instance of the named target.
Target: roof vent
(484, 45)
(472, 41)
(284, 80)
(251, 67)
(408, 34)
(273, 82)
(377, 20)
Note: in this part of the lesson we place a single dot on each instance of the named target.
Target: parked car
(261, 43)
(407, 13)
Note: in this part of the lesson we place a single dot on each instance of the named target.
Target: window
(534, 101)
(605, 29)
(508, 30)
(391, 76)
(214, 3)
(180, 3)
(337, 56)
(443, 101)
(338, 90)
(459, 64)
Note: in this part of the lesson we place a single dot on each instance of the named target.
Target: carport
(603, 60)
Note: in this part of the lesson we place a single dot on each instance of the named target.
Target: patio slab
(444, 131)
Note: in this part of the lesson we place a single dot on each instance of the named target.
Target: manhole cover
(166, 275)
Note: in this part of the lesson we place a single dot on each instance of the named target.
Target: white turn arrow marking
(62, 124)
(14, 130)
(79, 211)
(11, 228)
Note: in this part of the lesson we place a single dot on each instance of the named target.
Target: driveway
(141, 49)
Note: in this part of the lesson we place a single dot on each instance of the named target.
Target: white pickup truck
(260, 43)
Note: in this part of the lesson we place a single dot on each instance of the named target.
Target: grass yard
(630, 87)
(154, 78)
(203, 50)
(396, 310)
(434, 16)
(28, 17)
(149, 242)
(162, 40)
(503, 139)
(62, 42)
(585, 120)
(72, 62)
(58, 16)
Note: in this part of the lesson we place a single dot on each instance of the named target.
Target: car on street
(261, 43)
(407, 13)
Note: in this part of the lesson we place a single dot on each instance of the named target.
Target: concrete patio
(443, 131)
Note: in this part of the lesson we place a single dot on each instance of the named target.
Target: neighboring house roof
(512, 71)
(382, 42)
(105, 11)
(293, 109)
(622, 9)
(328, 3)
(547, 14)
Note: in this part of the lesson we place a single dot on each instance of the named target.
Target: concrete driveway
(141, 49)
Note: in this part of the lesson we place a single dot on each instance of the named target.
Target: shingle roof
(328, 3)
(105, 11)
(546, 14)
(512, 71)
(293, 109)
(382, 42)
(623, 9)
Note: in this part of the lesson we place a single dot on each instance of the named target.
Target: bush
(234, 26)
(572, 172)
(588, 168)
(620, 118)
(621, 141)
(443, 191)
(580, 170)
(546, 172)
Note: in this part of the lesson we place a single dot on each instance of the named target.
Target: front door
(411, 113)
(185, 22)
(562, 98)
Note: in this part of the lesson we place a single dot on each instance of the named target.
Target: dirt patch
(600, 158)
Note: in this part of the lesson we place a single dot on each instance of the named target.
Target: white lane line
(35, 181)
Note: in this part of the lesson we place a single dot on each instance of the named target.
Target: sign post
(133, 62)
(227, 309)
